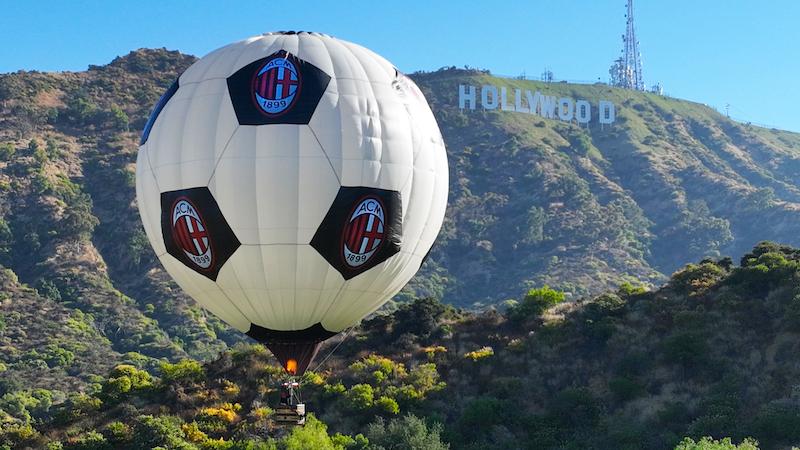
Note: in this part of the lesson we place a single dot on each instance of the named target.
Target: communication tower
(626, 71)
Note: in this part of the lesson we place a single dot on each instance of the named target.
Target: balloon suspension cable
(344, 337)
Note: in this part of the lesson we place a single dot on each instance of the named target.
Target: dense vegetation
(101, 350)
(710, 354)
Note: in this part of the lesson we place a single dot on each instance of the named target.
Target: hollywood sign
(548, 106)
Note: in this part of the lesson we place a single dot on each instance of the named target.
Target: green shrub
(685, 348)
(91, 440)
(576, 407)
(697, 279)
(118, 432)
(387, 405)
(708, 443)
(360, 396)
(779, 421)
(624, 389)
(163, 431)
(313, 435)
(7, 151)
(483, 413)
(408, 432)
(535, 302)
(186, 370)
(126, 378)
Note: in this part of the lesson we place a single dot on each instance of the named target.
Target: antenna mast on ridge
(626, 71)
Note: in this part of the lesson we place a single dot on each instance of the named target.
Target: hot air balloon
(291, 183)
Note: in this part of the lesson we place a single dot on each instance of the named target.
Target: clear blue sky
(745, 53)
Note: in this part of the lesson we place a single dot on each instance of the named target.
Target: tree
(119, 118)
(407, 432)
(313, 435)
(160, 431)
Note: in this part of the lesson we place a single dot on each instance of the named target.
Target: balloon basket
(290, 411)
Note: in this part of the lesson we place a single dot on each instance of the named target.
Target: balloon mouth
(291, 366)
(295, 349)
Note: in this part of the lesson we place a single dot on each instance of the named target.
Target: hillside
(533, 201)
(538, 201)
(712, 353)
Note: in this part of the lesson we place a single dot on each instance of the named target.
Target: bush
(535, 302)
(226, 412)
(576, 407)
(118, 432)
(125, 378)
(91, 440)
(697, 279)
(186, 370)
(779, 421)
(387, 405)
(685, 348)
(419, 318)
(164, 431)
(313, 435)
(7, 151)
(479, 354)
(482, 414)
(708, 443)
(360, 396)
(408, 432)
(624, 389)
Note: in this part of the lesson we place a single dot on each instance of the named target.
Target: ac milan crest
(191, 234)
(363, 228)
(195, 232)
(279, 88)
(364, 232)
(276, 85)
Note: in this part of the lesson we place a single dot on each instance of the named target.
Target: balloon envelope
(291, 183)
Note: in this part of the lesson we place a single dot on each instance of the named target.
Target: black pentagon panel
(280, 88)
(195, 232)
(363, 228)
(162, 102)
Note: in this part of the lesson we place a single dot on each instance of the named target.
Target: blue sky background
(737, 52)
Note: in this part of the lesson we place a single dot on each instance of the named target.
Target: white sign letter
(518, 102)
(466, 94)
(485, 90)
(583, 111)
(607, 112)
(504, 100)
(533, 99)
(566, 109)
(547, 105)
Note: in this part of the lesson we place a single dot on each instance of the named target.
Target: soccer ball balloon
(291, 183)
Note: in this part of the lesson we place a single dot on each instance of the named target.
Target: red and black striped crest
(195, 232)
(191, 233)
(364, 232)
(363, 228)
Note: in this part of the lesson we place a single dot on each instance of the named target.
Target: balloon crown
(314, 33)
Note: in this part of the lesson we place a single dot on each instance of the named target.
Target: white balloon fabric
(291, 183)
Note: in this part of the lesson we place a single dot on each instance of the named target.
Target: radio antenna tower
(627, 70)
